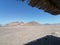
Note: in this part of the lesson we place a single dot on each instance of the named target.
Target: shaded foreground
(20, 35)
(47, 40)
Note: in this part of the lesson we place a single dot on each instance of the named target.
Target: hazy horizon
(27, 22)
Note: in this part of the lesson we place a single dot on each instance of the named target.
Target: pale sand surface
(20, 35)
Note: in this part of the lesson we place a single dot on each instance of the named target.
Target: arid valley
(22, 34)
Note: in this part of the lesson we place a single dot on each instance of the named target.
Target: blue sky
(12, 10)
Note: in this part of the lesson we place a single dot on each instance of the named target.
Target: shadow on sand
(47, 40)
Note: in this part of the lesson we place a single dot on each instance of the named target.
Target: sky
(13, 10)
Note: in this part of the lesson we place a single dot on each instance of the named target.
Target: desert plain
(20, 35)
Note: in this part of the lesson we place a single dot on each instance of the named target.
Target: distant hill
(15, 24)
(0, 25)
(32, 23)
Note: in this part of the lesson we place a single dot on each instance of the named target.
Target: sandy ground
(20, 35)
